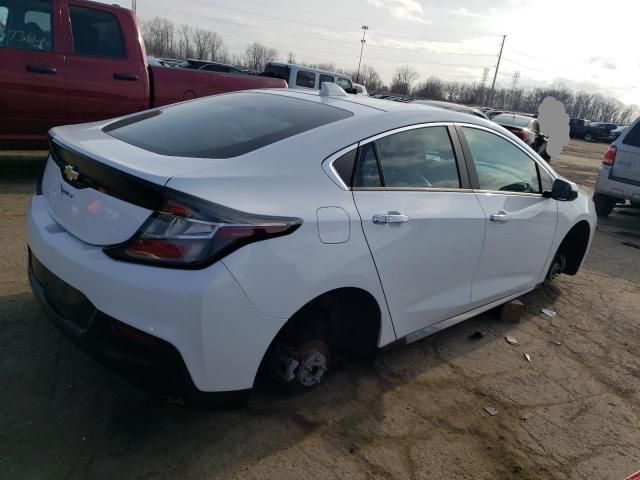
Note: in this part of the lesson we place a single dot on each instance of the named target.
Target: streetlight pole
(493, 85)
(133, 6)
(363, 41)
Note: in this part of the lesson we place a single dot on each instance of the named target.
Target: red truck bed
(77, 61)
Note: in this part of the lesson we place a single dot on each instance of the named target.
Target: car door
(32, 69)
(423, 224)
(106, 75)
(520, 220)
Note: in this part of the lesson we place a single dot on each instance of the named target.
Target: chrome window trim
(412, 189)
(403, 129)
(539, 162)
(329, 169)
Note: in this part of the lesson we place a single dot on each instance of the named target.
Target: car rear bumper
(616, 188)
(201, 321)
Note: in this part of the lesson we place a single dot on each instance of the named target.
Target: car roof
(307, 67)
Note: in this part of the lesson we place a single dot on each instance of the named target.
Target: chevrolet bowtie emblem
(70, 173)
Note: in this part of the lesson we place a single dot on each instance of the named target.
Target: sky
(579, 44)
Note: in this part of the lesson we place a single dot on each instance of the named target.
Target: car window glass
(25, 24)
(344, 83)
(419, 158)
(96, 33)
(306, 79)
(546, 180)
(501, 166)
(632, 137)
(368, 174)
(223, 126)
(326, 78)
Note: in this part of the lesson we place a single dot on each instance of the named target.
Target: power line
(524, 66)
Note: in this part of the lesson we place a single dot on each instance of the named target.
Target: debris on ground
(491, 411)
(512, 312)
(548, 312)
(528, 357)
(511, 340)
(478, 334)
(556, 343)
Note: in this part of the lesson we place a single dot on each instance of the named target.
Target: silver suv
(619, 176)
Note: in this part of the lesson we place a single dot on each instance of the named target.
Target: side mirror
(563, 191)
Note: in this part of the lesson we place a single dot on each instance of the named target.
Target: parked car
(208, 66)
(494, 113)
(578, 127)
(307, 78)
(527, 129)
(616, 132)
(598, 131)
(280, 231)
(72, 61)
(618, 179)
(456, 107)
(360, 89)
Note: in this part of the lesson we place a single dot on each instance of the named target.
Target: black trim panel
(107, 179)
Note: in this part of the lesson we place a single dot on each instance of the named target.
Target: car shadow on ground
(85, 421)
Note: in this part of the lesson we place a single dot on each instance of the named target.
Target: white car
(278, 230)
(303, 77)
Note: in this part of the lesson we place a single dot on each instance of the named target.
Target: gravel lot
(572, 413)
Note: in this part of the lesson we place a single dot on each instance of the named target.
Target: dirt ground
(417, 413)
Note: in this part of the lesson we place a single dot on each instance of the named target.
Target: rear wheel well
(574, 246)
(347, 319)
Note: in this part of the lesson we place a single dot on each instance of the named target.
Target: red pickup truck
(75, 61)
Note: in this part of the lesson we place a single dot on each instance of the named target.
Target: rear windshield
(223, 126)
(511, 120)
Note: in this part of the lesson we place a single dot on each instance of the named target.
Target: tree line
(163, 38)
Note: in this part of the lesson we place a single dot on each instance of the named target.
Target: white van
(307, 78)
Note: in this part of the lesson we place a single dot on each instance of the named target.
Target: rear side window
(96, 33)
(26, 24)
(277, 71)
(305, 79)
(419, 158)
(325, 78)
(224, 126)
(368, 173)
(633, 136)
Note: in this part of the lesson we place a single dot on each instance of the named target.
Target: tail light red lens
(191, 233)
(610, 156)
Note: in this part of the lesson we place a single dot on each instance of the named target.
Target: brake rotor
(314, 362)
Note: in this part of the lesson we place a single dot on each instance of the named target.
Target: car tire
(604, 204)
(588, 137)
(556, 268)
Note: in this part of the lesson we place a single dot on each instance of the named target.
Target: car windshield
(223, 126)
(513, 120)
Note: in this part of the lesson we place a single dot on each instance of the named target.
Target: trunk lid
(102, 190)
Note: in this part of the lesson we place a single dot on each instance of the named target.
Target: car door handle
(391, 217)
(46, 69)
(501, 217)
(127, 77)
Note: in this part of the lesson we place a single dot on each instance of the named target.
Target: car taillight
(610, 156)
(191, 233)
(523, 134)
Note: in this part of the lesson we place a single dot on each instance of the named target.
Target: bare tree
(201, 42)
(158, 35)
(403, 80)
(257, 55)
(291, 58)
(217, 50)
(185, 47)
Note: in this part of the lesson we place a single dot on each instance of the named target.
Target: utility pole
(493, 85)
(133, 6)
(514, 85)
(363, 41)
(485, 77)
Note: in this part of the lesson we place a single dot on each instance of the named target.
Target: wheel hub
(312, 366)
